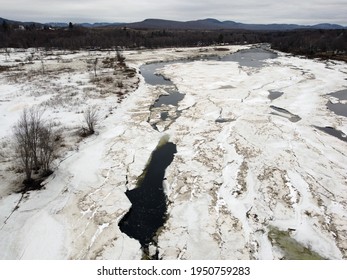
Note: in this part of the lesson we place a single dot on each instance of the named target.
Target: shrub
(91, 118)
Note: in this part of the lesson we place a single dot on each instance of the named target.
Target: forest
(312, 43)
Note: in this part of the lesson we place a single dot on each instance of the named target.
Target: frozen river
(148, 210)
(259, 161)
(169, 105)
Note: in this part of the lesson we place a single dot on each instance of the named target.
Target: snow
(229, 181)
(270, 165)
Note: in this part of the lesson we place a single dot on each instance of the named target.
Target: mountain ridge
(214, 24)
(199, 24)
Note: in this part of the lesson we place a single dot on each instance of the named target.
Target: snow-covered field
(244, 175)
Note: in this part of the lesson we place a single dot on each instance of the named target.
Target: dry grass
(51, 80)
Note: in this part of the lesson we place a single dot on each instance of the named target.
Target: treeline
(312, 43)
(331, 43)
(77, 38)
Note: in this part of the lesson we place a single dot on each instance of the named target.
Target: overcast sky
(246, 11)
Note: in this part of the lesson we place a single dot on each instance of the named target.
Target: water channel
(338, 108)
(148, 211)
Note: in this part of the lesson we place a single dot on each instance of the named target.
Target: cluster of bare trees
(35, 143)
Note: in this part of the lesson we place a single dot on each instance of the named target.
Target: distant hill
(100, 24)
(85, 24)
(328, 26)
(58, 24)
(201, 24)
(213, 24)
(14, 22)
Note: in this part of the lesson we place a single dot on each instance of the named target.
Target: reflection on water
(285, 113)
(275, 94)
(148, 71)
(333, 132)
(338, 108)
(254, 57)
(164, 115)
(148, 211)
(171, 99)
(341, 94)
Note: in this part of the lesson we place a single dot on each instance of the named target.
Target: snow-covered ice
(231, 181)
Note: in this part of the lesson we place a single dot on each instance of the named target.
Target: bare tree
(95, 64)
(46, 148)
(23, 147)
(36, 124)
(42, 66)
(34, 143)
(91, 118)
(8, 51)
